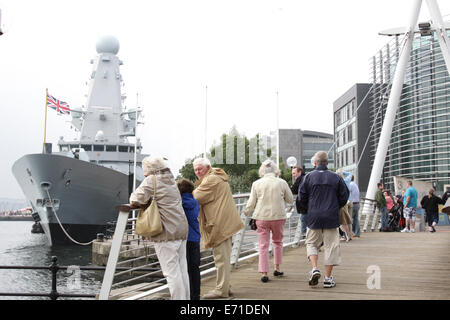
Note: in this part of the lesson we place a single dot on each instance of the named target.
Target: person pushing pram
(394, 216)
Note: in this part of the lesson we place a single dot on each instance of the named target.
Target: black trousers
(193, 263)
(432, 217)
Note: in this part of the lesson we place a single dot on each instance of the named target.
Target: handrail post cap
(124, 207)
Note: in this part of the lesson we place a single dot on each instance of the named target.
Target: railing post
(376, 219)
(289, 226)
(368, 209)
(54, 269)
(114, 251)
(237, 243)
(298, 229)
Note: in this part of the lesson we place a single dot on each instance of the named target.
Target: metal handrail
(54, 268)
(53, 294)
(245, 246)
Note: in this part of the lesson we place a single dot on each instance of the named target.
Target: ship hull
(84, 195)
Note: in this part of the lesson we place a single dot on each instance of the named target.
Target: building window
(337, 117)
(344, 114)
(354, 154)
(354, 130)
(341, 138)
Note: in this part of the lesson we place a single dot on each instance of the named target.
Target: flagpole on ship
(135, 142)
(45, 121)
(135, 157)
(278, 133)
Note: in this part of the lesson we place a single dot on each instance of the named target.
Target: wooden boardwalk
(411, 266)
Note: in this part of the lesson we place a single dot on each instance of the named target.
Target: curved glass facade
(420, 141)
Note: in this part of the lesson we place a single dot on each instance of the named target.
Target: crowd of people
(328, 205)
(405, 206)
(188, 214)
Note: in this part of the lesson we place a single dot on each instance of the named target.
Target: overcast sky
(311, 52)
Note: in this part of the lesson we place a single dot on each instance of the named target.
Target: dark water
(20, 247)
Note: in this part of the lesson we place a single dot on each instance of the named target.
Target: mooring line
(62, 228)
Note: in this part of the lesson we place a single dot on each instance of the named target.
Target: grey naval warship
(74, 191)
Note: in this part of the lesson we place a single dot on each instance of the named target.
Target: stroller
(395, 219)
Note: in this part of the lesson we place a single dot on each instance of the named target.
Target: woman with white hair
(170, 245)
(267, 199)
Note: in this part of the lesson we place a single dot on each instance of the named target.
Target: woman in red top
(389, 200)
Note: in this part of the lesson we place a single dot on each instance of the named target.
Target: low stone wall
(135, 249)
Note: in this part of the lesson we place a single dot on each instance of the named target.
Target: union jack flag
(60, 106)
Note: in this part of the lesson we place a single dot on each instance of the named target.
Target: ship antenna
(206, 118)
(135, 142)
(45, 122)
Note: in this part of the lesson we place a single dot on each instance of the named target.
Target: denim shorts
(409, 213)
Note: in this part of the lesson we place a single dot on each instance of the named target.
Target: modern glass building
(303, 145)
(351, 130)
(420, 141)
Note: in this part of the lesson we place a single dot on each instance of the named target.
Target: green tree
(240, 171)
(187, 170)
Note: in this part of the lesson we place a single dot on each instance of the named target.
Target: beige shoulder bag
(148, 223)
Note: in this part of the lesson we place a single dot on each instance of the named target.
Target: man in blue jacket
(322, 194)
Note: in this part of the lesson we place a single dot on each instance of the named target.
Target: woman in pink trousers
(267, 199)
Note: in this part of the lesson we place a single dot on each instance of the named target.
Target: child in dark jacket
(191, 209)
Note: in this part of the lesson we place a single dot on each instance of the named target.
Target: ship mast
(104, 120)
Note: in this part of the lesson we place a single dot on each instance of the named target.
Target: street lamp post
(1, 32)
(291, 162)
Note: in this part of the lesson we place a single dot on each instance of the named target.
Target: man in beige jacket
(219, 220)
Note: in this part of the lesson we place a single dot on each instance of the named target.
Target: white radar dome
(108, 44)
(100, 136)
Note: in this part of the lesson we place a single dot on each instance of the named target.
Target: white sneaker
(329, 282)
(314, 277)
(405, 230)
(412, 230)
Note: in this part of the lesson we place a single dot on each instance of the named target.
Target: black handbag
(252, 224)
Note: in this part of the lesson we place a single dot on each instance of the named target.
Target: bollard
(54, 269)
(100, 237)
(420, 222)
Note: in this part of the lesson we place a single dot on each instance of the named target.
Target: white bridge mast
(396, 90)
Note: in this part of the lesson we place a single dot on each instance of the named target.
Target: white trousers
(172, 258)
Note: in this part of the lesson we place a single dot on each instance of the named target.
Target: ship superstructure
(75, 190)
